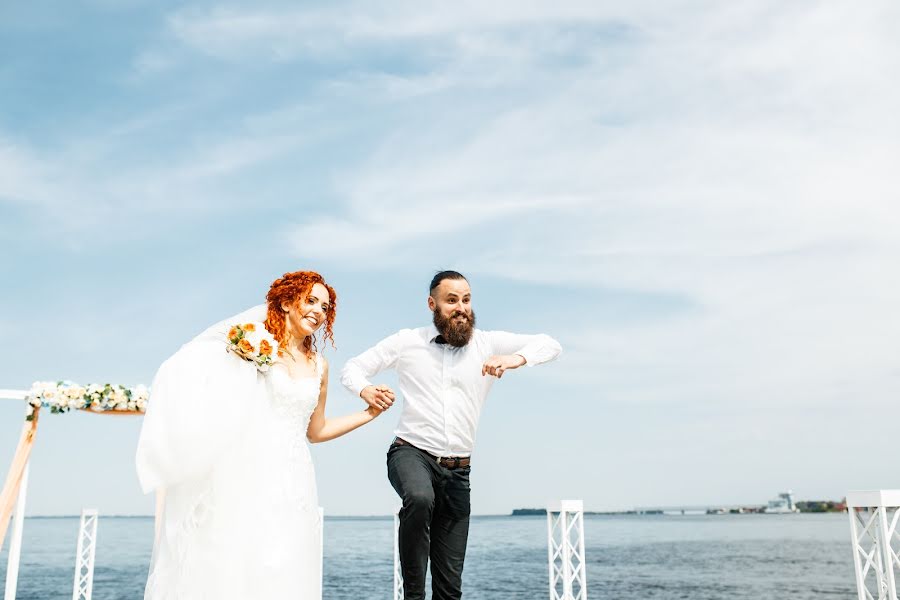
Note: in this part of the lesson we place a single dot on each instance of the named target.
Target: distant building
(783, 504)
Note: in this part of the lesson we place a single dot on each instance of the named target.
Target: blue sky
(698, 200)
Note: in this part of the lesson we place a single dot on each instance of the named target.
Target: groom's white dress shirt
(442, 386)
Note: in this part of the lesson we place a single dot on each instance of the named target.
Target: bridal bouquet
(253, 343)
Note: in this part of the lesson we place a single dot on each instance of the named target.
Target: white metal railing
(873, 528)
(565, 550)
(83, 587)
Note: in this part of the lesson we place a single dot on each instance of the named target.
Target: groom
(445, 372)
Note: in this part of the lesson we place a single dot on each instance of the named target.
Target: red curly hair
(289, 289)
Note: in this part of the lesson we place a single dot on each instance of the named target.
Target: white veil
(199, 401)
(202, 402)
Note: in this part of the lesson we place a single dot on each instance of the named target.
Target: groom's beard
(457, 333)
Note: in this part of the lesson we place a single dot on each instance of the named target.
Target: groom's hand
(380, 397)
(497, 365)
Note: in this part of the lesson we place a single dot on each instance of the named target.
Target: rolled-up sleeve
(536, 349)
(356, 373)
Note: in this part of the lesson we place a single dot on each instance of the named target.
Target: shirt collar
(432, 333)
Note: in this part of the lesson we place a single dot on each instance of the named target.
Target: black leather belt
(448, 462)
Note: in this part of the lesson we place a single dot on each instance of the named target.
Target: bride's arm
(322, 429)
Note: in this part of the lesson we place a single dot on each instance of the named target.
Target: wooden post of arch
(13, 494)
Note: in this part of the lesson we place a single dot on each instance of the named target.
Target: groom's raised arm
(357, 372)
(535, 349)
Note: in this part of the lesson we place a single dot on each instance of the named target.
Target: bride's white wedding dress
(227, 444)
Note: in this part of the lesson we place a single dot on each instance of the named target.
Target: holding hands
(378, 397)
(497, 365)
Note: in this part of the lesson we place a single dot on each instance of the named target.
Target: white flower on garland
(63, 396)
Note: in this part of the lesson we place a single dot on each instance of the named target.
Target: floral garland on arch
(62, 396)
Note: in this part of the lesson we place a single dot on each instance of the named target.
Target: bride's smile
(305, 316)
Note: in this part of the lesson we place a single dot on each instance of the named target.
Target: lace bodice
(294, 399)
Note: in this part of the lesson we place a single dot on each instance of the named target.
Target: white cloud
(730, 156)
(283, 33)
(107, 181)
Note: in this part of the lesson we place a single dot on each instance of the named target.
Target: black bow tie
(440, 340)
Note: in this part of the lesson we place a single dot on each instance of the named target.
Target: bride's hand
(373, 411)
(380, 397)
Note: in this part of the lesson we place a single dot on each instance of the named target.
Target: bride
(223, 445)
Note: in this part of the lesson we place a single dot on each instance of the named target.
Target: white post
(322, 547)
(84, 555)
(15, 542)
(873, 529)
(565, 550)
(398, 572)
(857, 566)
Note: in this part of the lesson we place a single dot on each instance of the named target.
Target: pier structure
(84, 555)
(565, 550)
(874, 516)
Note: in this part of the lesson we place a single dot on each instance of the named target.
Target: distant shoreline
(803, 506)
(516, 513)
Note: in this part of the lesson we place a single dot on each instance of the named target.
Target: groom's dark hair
(441, 276)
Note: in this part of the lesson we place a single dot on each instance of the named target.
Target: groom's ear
(431, 303)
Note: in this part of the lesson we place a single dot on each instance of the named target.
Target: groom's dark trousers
(434, 521)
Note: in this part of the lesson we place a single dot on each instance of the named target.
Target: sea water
(639, 557)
